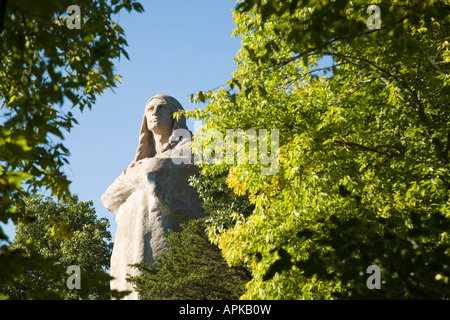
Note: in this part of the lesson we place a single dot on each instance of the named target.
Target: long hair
(146, 147)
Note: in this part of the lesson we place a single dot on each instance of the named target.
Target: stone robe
(148, 199)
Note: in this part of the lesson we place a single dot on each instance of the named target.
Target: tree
(49, 66)
(218, 200)
(364, 138)
(191, 268)
(64, 234)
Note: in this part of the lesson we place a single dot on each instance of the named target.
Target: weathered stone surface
(153, 195)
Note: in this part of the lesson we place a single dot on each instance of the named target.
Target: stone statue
(152, 195)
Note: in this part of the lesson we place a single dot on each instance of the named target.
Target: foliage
(219, 201)
(192, 268)
(62, 234)
(363, 124)
(44, 67)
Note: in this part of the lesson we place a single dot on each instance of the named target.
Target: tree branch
(441, 153)
(357, 146)
(331, 41)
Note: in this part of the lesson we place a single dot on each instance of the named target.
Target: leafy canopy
(61, 235)
(364, 122)
(47, 70)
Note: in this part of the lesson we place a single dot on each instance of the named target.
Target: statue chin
(160, 128)
(152, 197)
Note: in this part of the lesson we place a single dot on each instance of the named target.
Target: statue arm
(117, 193)
(122, 187)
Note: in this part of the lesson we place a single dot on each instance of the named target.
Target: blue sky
(176, 47)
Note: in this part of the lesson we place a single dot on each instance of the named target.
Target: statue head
(158, 120)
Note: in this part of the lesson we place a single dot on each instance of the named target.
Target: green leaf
(201, 96)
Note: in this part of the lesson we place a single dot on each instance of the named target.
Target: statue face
(159, 117)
